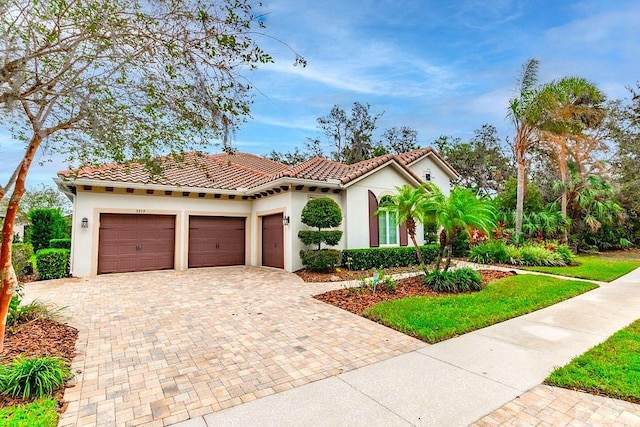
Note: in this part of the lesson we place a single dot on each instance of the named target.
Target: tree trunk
(443, 243)
(412, 236)
(449, 252)
(520, 196)
(564, 202)
(7, 273)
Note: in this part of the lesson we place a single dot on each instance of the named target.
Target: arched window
(387, 224)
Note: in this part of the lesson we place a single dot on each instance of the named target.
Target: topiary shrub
(456, 281)
(60, 243)
(52, 263)
(321, 213)
(46, 224)
(33, 377)
(22, 259)
(402, 256)
(324, 260)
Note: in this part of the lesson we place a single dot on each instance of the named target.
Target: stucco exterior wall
(438, 175)
(381, 183)
(84, 255)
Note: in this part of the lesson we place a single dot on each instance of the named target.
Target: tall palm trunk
(449, 253)
(441, 246)
(520, 161)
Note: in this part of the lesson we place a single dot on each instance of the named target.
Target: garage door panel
(273, 241)
(216, 241)
(129, 242)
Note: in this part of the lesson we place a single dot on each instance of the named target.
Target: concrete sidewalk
(455, 382)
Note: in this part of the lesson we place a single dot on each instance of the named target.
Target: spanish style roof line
(236, 171)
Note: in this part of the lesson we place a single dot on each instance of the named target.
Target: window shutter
(404, 240)
(374, 233)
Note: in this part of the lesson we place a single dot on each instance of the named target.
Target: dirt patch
(39, 338)
(341, 275)
(357, 299)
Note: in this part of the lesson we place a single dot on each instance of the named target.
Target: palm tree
(458, 213)
(409, 206)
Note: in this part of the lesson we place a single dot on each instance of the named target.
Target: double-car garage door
(130, 242)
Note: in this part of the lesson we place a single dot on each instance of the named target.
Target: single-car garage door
(272, 241)
(216, 241)
(129, 242)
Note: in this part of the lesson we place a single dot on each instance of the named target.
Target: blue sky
(440, 67)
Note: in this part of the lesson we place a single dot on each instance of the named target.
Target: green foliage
(455, 281)
(60, 243)
(609, 369)
(315, 237)
(46, 224)
(402, 256)
(505, 201)
(35, 310)
(52, 263)
(497, 252)
(593, 267)
(321, 260)
(41, 413)
(33, 377)
(322, 212)
(385, 282)
(494, 252)
(436, 318)
(22, 258)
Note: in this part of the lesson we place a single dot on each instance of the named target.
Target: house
(230, 209)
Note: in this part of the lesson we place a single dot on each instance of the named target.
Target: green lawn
(611, 368)
(436, 318)
(41, 413)
(593, 267)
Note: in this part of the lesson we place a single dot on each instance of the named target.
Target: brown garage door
(216, 241)
(272, 241)
(135, 243)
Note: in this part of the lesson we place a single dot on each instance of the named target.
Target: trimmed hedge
(21, 254)
(322, 260)
(456, 281)
(402, 256)
(52, 263)
(315, 237)
(60, 243)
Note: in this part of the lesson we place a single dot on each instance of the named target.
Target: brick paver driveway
(161, 347)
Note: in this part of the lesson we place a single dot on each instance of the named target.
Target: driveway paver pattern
(157, 348)
(552, 406)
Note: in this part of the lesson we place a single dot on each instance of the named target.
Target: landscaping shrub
(19, 313)
(323, 260)
(489, 253)
(537, 255)
(33, 377)
(314, 237)
(402, 256)
(461, 280)
(46, 224)
(52, 263)
(21, 258)
(566, 254)
(60, 243)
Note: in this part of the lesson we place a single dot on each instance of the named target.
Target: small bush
(315, 237)
(33, 377)
(323, 260)
(35, 310)
(60, 243)
(461, 280)
(489, 253)
(46, 224)
(21, 258)
(52, 263)
(566, 254)
(539, 256)
(402, 256)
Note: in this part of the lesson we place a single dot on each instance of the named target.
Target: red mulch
(344, 274)
(38, 338)
(357, 300)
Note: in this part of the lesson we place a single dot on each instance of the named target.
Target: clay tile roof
(219, 171)
(411, 156)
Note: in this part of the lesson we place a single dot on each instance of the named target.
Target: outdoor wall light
(85, 222)
(285, 220)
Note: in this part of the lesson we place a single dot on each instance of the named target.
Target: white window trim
(386, 223)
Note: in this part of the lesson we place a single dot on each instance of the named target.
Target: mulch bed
(357, 300)
(39, 338)
(341, 275)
